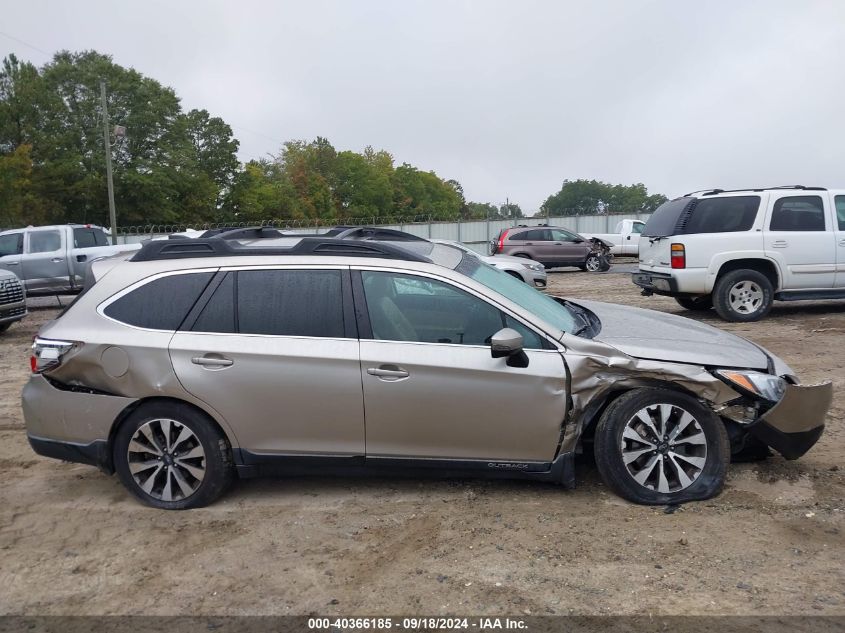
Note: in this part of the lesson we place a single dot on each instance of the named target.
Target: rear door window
(161, 304)
(798, 213)
(536, 235)
(722, 215)
(87, 237)
(290, 303)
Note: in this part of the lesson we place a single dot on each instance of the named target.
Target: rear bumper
(95, 453)
(682, 281)
(796, 423)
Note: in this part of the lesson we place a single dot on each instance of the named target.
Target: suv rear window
(722, 215)
(663, 221)
(161, 304)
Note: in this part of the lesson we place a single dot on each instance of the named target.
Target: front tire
(596, 264)
(171, 456)
(698, 303)
(743, 296)
(658, 446)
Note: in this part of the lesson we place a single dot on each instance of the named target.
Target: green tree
(580, 197)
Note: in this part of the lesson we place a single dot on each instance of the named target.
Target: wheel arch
(592, 413)
(142, 402)
(764, 266)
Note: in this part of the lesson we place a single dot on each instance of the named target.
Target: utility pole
(107, 144)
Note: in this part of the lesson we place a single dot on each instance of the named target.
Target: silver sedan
(531, 272)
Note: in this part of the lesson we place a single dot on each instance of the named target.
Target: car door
(839, 230)
(275, 352)
(44, 261)
(432, 389)
(11, 249)
(569, 247)
(799, 237)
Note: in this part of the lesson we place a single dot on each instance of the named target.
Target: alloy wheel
(664, 448)
(745, 297)
(166, 460)
(592, 264)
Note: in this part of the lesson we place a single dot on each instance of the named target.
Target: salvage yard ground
(72, 541)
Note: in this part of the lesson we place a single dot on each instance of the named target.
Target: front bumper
(537, 278)
(796, 423)
(11, 313)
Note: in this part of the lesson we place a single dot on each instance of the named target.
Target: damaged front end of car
(759, 409)
(776, 410)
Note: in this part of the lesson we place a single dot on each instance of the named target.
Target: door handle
(11, 263)
(212, 361)
(388, 372)
(779, 244)
(558, 243)
(56, 260)
(841, 242)
(529, 243)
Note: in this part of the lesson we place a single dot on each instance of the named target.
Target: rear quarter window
(161, 304)
(722, 215)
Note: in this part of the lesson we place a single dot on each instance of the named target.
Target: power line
(27, 44)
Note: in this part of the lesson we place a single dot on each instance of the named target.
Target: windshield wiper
(581, 314)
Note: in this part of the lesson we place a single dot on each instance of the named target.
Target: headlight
(756, 383)
(534, 266)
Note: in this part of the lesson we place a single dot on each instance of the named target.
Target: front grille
(11, 291)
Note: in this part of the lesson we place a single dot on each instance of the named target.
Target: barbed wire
(318, 223)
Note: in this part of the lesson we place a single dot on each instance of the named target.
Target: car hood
(659, 336)
(507, 259)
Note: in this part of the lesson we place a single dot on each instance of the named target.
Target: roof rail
(249, 233)
(220, 247)
(713, 192)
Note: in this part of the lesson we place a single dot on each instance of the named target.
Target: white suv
(738, 251)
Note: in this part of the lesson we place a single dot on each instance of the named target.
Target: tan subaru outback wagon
(193, 362)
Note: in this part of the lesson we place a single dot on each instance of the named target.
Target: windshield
(663, 221)
(520, 293)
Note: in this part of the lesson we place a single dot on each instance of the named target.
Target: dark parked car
(552, 246)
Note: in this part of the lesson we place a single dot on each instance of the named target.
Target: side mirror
(507, 343)
(578, 240)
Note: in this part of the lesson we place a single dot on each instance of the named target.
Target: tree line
(178, 167)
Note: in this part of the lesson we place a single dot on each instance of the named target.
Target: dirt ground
(73, 542)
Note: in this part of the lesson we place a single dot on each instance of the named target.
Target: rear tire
(658, 446)
(171, 456)
(743, 296)
(700, 303)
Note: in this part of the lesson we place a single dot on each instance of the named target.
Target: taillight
(47, 354)
(502, 237)
(679, 256)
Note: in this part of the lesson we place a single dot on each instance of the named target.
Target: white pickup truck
(626, 238)
(54, 259)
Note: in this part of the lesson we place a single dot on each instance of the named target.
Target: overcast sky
(509, 98)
